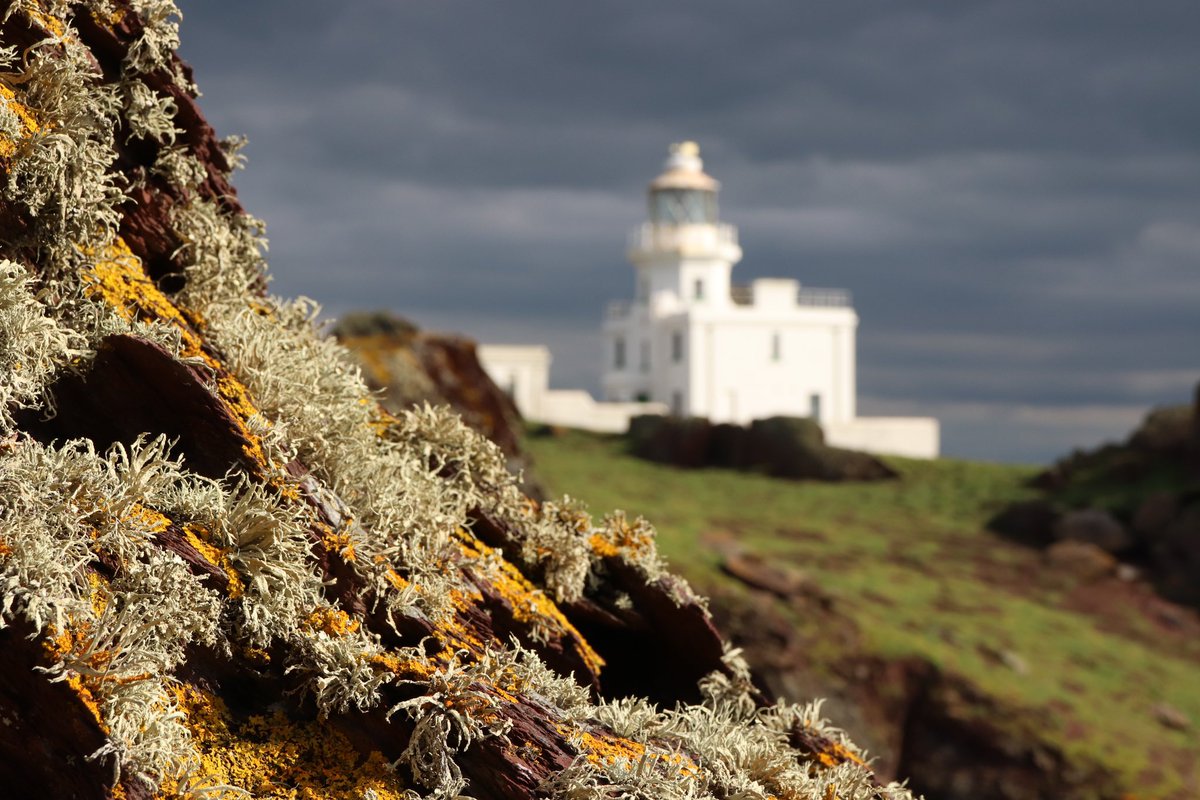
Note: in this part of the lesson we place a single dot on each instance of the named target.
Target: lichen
(270, 755)
(385, 503)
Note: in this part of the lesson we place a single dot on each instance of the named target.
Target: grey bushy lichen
(59, 509)
(81, 564)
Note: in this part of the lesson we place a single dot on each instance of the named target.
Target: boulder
(1175, 557)
(1030, 522)
(1093, 526)
(783, 447)
(410, 367)
(1154, 514)
(1082, 561)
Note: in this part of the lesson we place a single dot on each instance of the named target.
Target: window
(776, 346)
(677, 404)
(643, 290)
(677, 346)
(814, 406)
(698, 289)
(683, 206)
(644, 362)
(619, 352)
(643, 397)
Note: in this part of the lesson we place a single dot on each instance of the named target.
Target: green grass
(910, 563)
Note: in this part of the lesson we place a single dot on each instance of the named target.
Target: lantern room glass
(683, 207)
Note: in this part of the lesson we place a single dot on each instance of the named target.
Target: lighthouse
(705, 346)
(691, 342)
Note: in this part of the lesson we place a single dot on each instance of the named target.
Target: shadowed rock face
(409, 367)
(225, 565)
(1139, 500)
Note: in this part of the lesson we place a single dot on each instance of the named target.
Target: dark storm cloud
(1009, 188)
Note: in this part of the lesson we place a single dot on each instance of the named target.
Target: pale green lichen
(60, 509)
(404, 488)
(148, 114)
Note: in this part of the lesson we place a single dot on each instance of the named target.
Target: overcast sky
(1010, 189)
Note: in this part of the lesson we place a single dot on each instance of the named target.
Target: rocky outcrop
(783, 447)
(1139, 500)
(408, 367)
(226, 571)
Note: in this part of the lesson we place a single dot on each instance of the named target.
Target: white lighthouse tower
(706, 347)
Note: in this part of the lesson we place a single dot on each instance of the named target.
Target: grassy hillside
(910, 563)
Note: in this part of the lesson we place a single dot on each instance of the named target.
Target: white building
(692, 340)
(523, 371)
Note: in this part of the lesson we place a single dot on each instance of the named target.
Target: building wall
(522, 371)
(914, 437)
(740, 373)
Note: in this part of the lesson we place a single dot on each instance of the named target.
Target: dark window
(645, 360)
(677, 403)
(619, 353)
(776, 346)
(643, 397)
(677, 346)
(814, 406)
(698, 289)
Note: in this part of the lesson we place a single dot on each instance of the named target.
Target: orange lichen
(274, 756)
(340, 543)
(29, 123)
(110, 18)
(149, 518)
(603, 749)
(621, 539)
(99, 594)
(43, 20)
(200, 539)
(836, 754)
(394, 578)
(371, 350)
(529, 604)
(119, 279)
(331, 621)
(403, 668)
(56, 645)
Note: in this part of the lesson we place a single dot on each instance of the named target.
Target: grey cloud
(1009, 187)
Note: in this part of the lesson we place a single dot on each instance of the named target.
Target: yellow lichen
(331, 621)
(403, 668)
(838, 754)
(529, 604)
(621, 539)
(119, 279)
(274, 756)
(56, 645)
(200, 538)
(43, 20)
(29, 123)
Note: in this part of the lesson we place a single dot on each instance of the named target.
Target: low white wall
(915, 437)
(575, 408)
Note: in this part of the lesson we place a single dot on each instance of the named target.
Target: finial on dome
(685, 156)
(686, 149)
